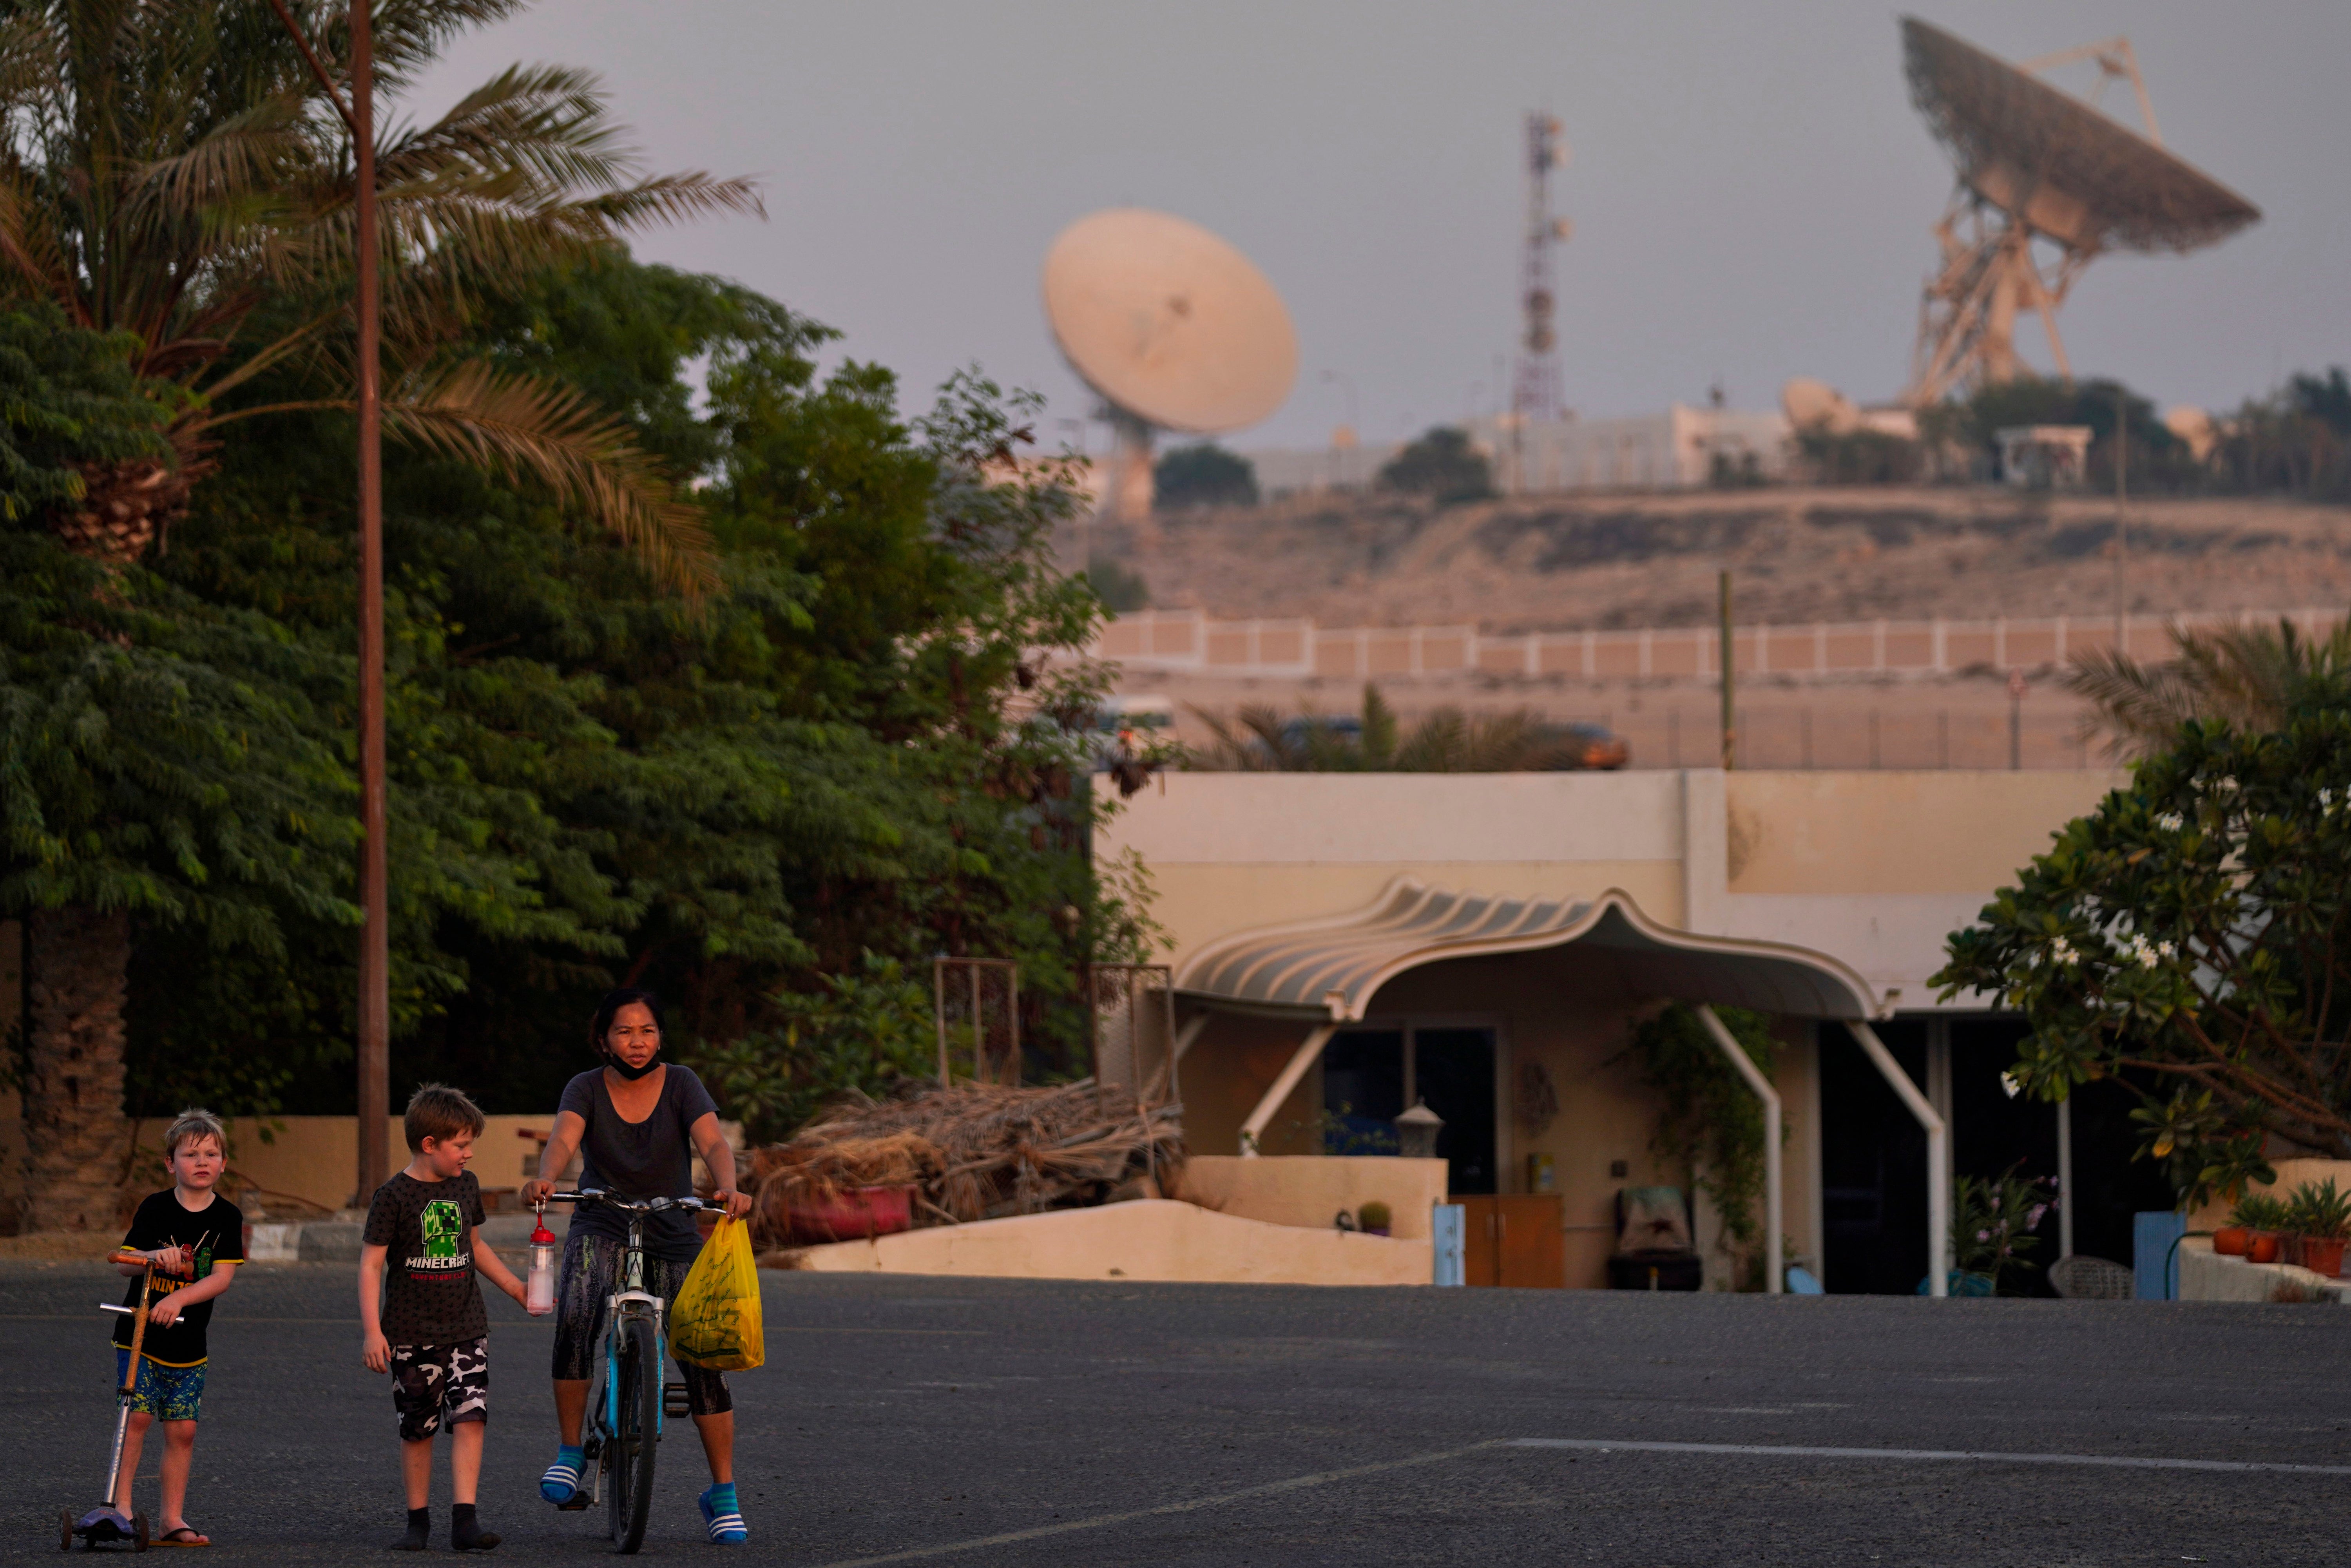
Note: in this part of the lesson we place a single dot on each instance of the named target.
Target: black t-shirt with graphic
(427, 1230)
(213, 1234)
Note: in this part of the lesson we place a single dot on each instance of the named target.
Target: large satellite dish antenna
(1173, 327)
(2036, 163)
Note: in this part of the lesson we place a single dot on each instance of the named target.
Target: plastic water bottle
(538, 1292)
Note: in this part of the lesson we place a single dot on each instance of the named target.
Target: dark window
(1872, 1165)
(1362, 1091)
(1453, 1068)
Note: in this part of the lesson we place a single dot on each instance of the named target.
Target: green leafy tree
(160, 760)
(854, 746)
(2188, 934)
(1205, 475)
(1443, 465)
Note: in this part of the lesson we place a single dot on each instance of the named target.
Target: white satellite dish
(1173, 327)
(1808, 402)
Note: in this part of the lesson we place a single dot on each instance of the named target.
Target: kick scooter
(104, 1523)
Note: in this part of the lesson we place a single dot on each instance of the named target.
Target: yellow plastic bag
(716, 1321)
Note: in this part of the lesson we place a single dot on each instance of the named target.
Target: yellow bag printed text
(715, 1321)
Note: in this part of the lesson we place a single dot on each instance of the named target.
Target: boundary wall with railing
(1188, 642)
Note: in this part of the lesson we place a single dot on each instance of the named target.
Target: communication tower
(1535, 393)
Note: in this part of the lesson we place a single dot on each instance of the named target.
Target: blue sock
(562, 1478)
(724, 1515)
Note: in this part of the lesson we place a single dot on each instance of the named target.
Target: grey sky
(1750, 189)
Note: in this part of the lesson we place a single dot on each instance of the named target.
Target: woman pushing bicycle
(637, 1123)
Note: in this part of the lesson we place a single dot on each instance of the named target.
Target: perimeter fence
(1190, 642)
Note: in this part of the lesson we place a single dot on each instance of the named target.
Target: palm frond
(530, 429)
(2246, 674)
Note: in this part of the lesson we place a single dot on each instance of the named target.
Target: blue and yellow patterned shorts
(166, 1393)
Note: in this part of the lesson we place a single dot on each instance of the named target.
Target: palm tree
(1258, 739)
(2250, 676)
(173, 170)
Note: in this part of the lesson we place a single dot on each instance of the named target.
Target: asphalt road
(985, 1422)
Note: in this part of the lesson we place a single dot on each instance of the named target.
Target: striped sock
(562, 1478)
(724, 1515)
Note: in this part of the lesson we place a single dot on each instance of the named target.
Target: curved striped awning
(1330, 969)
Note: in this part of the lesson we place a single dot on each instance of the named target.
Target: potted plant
(1374, 1219)
(2320, 1217)
(1992, 1223)
(2261, 1217)
(2230, 1240)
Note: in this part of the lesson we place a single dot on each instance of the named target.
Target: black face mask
(612, 1061)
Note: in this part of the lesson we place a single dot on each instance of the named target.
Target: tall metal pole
(1729, 681)
(2122, 540)
(374, 1042)
(375, 946)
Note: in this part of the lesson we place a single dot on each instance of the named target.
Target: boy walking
(422, 1320)
(194, 1238)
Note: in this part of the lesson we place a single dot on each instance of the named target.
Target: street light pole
(375, 942)
(374, 1013)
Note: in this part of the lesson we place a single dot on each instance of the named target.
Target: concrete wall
(12, 1110)
(1897, 833)
(316, 1159)
(1157, 1239)
(1309, 1192)
(2291, 1173)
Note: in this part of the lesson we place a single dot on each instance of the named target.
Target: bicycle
(627, 1404)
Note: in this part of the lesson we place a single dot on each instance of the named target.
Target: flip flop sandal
(182, 1536)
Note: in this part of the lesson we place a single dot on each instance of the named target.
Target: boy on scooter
(194, 1238)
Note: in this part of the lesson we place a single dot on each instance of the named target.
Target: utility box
(2155, 1255)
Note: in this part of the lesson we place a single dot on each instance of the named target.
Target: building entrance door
(1370, 1076)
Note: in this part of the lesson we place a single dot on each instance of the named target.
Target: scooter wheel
(64, 1530)
(138, 1532)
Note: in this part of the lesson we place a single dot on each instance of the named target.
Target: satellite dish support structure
(2036, 163)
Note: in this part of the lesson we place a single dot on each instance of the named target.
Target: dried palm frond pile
(974, 1151)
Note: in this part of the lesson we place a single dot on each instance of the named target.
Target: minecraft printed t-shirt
(427, 1230)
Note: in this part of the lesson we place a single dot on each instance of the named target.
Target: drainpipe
(1254, 1128)
(1939, 1175)
(1775, 1266)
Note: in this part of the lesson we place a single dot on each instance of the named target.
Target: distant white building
(1678, 449)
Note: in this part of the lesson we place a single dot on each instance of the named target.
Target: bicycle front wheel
(637, 1423)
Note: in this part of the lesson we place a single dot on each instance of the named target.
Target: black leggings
(592, 1272)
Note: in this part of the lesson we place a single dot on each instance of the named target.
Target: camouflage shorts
(434, 1385)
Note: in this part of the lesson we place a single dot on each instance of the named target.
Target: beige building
(1346, 944)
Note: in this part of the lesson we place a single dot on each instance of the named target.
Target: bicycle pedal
(673, 1400)
(580, 1503)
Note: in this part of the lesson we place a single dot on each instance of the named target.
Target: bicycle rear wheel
(629, 1450)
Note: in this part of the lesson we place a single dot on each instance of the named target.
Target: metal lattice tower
(1535, 392)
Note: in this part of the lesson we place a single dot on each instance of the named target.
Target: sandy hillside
(1799, 555)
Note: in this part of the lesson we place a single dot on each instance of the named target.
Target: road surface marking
(1101, 1521)
(1914, 1456)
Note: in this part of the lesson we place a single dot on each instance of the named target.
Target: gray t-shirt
(652, 1158)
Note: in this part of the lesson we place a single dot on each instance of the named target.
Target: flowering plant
(1992, 1223)
(2190, 935)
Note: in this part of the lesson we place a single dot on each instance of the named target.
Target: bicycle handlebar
(630, 1204)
